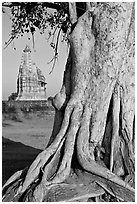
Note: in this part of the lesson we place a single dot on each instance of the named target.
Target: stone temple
(31, 84)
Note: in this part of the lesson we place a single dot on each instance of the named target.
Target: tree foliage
(12, 97)
(27, 17)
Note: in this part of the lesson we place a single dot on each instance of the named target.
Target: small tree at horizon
(90, 154)
(12, 97)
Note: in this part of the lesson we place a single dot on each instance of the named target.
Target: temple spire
(31, 84)
(27, 49)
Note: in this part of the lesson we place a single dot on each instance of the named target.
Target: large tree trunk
(91, 151)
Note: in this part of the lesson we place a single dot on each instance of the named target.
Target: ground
(23, 140)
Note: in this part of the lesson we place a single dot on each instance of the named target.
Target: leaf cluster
(28, 16)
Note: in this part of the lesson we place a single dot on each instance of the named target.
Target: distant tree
(12, 97)
(90, 155)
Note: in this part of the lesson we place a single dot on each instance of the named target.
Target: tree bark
(92, 143)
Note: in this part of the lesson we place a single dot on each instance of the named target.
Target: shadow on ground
(15, 156)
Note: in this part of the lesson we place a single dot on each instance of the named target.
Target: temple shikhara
(31, 84)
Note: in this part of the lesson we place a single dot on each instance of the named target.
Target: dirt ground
(22, 141)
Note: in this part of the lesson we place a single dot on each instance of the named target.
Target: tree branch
(88, 6)
(72, 12)
(45, 4)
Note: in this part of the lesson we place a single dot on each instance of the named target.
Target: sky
(42, 54)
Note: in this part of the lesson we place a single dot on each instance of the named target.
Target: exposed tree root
(64, 169)
(56, 170)
(44, 161)
(14, 180)
(115, 121)
(73, 189)
(87, 161)
(44, 156)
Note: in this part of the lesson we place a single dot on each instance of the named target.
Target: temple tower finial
(27, 49)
